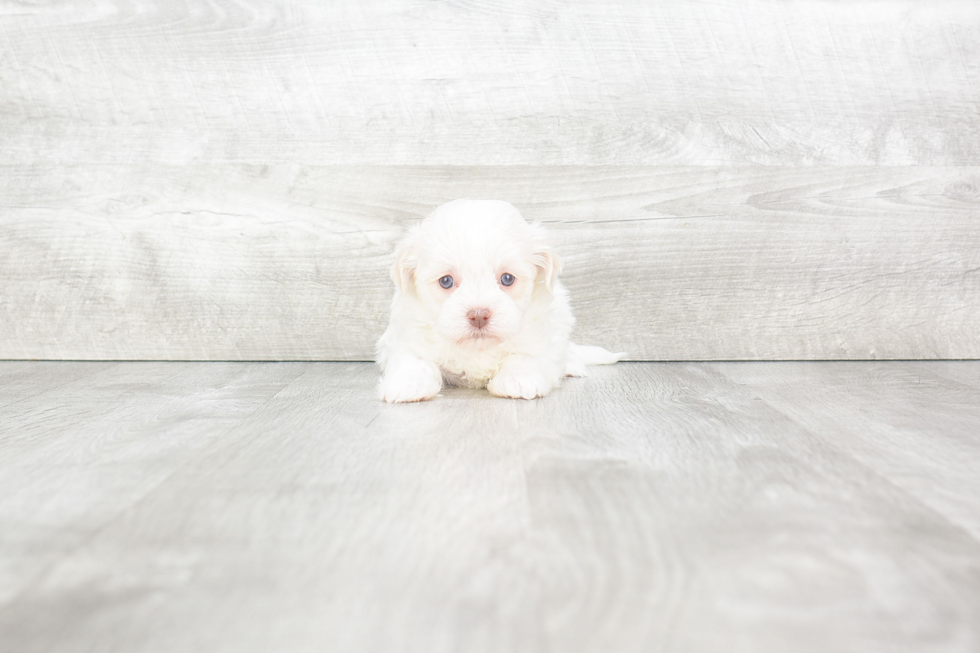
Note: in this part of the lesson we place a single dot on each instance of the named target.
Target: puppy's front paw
(520, 384)
(410, 382)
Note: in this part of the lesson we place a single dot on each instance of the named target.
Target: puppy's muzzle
(478, 317)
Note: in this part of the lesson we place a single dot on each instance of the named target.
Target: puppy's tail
(589, 355)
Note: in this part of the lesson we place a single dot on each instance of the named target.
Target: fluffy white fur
(522, 351)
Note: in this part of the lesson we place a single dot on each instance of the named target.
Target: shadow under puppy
(478, 304)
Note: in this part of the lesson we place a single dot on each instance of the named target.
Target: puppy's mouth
(479, 335)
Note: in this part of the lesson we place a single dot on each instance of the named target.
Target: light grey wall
(725, 180)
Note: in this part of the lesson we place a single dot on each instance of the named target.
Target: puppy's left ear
(547, 262)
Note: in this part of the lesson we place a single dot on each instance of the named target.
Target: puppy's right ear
(406, 261)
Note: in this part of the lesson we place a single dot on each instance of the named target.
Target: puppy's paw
(416, 381)
(520, 384)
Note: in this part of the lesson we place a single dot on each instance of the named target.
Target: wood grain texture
(699, 82)
(669, 507)
(291, 262)
(917, 425)
(82, 452)
(726, 180)
(20, 381)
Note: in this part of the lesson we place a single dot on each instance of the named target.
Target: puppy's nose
(479, 317)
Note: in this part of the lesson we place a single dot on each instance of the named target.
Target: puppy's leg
(408, 378)
(525, 377)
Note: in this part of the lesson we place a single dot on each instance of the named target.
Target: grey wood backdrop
(225, 179)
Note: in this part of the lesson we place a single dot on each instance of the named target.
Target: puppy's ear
(547, 262)
(549, 266)
(406, 260)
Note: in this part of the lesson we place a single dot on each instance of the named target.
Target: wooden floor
(241, 507)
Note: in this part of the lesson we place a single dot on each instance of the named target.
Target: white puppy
(478, 304)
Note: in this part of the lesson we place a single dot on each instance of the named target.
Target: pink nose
(479, 317)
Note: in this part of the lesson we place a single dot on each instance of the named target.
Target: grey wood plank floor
(651, 507)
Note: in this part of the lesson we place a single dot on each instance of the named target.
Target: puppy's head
(475, 265)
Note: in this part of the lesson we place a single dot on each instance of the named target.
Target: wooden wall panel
(225, 179)
(694, 82)
(290, 262)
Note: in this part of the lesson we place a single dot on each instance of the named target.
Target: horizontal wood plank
(290, 262)
(699, 82)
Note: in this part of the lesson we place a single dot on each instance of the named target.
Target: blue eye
(446, 282)
(507, 279)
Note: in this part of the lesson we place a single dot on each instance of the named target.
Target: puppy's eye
(507, 279)
(446, 282)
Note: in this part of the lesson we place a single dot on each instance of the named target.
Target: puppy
(478, 304)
